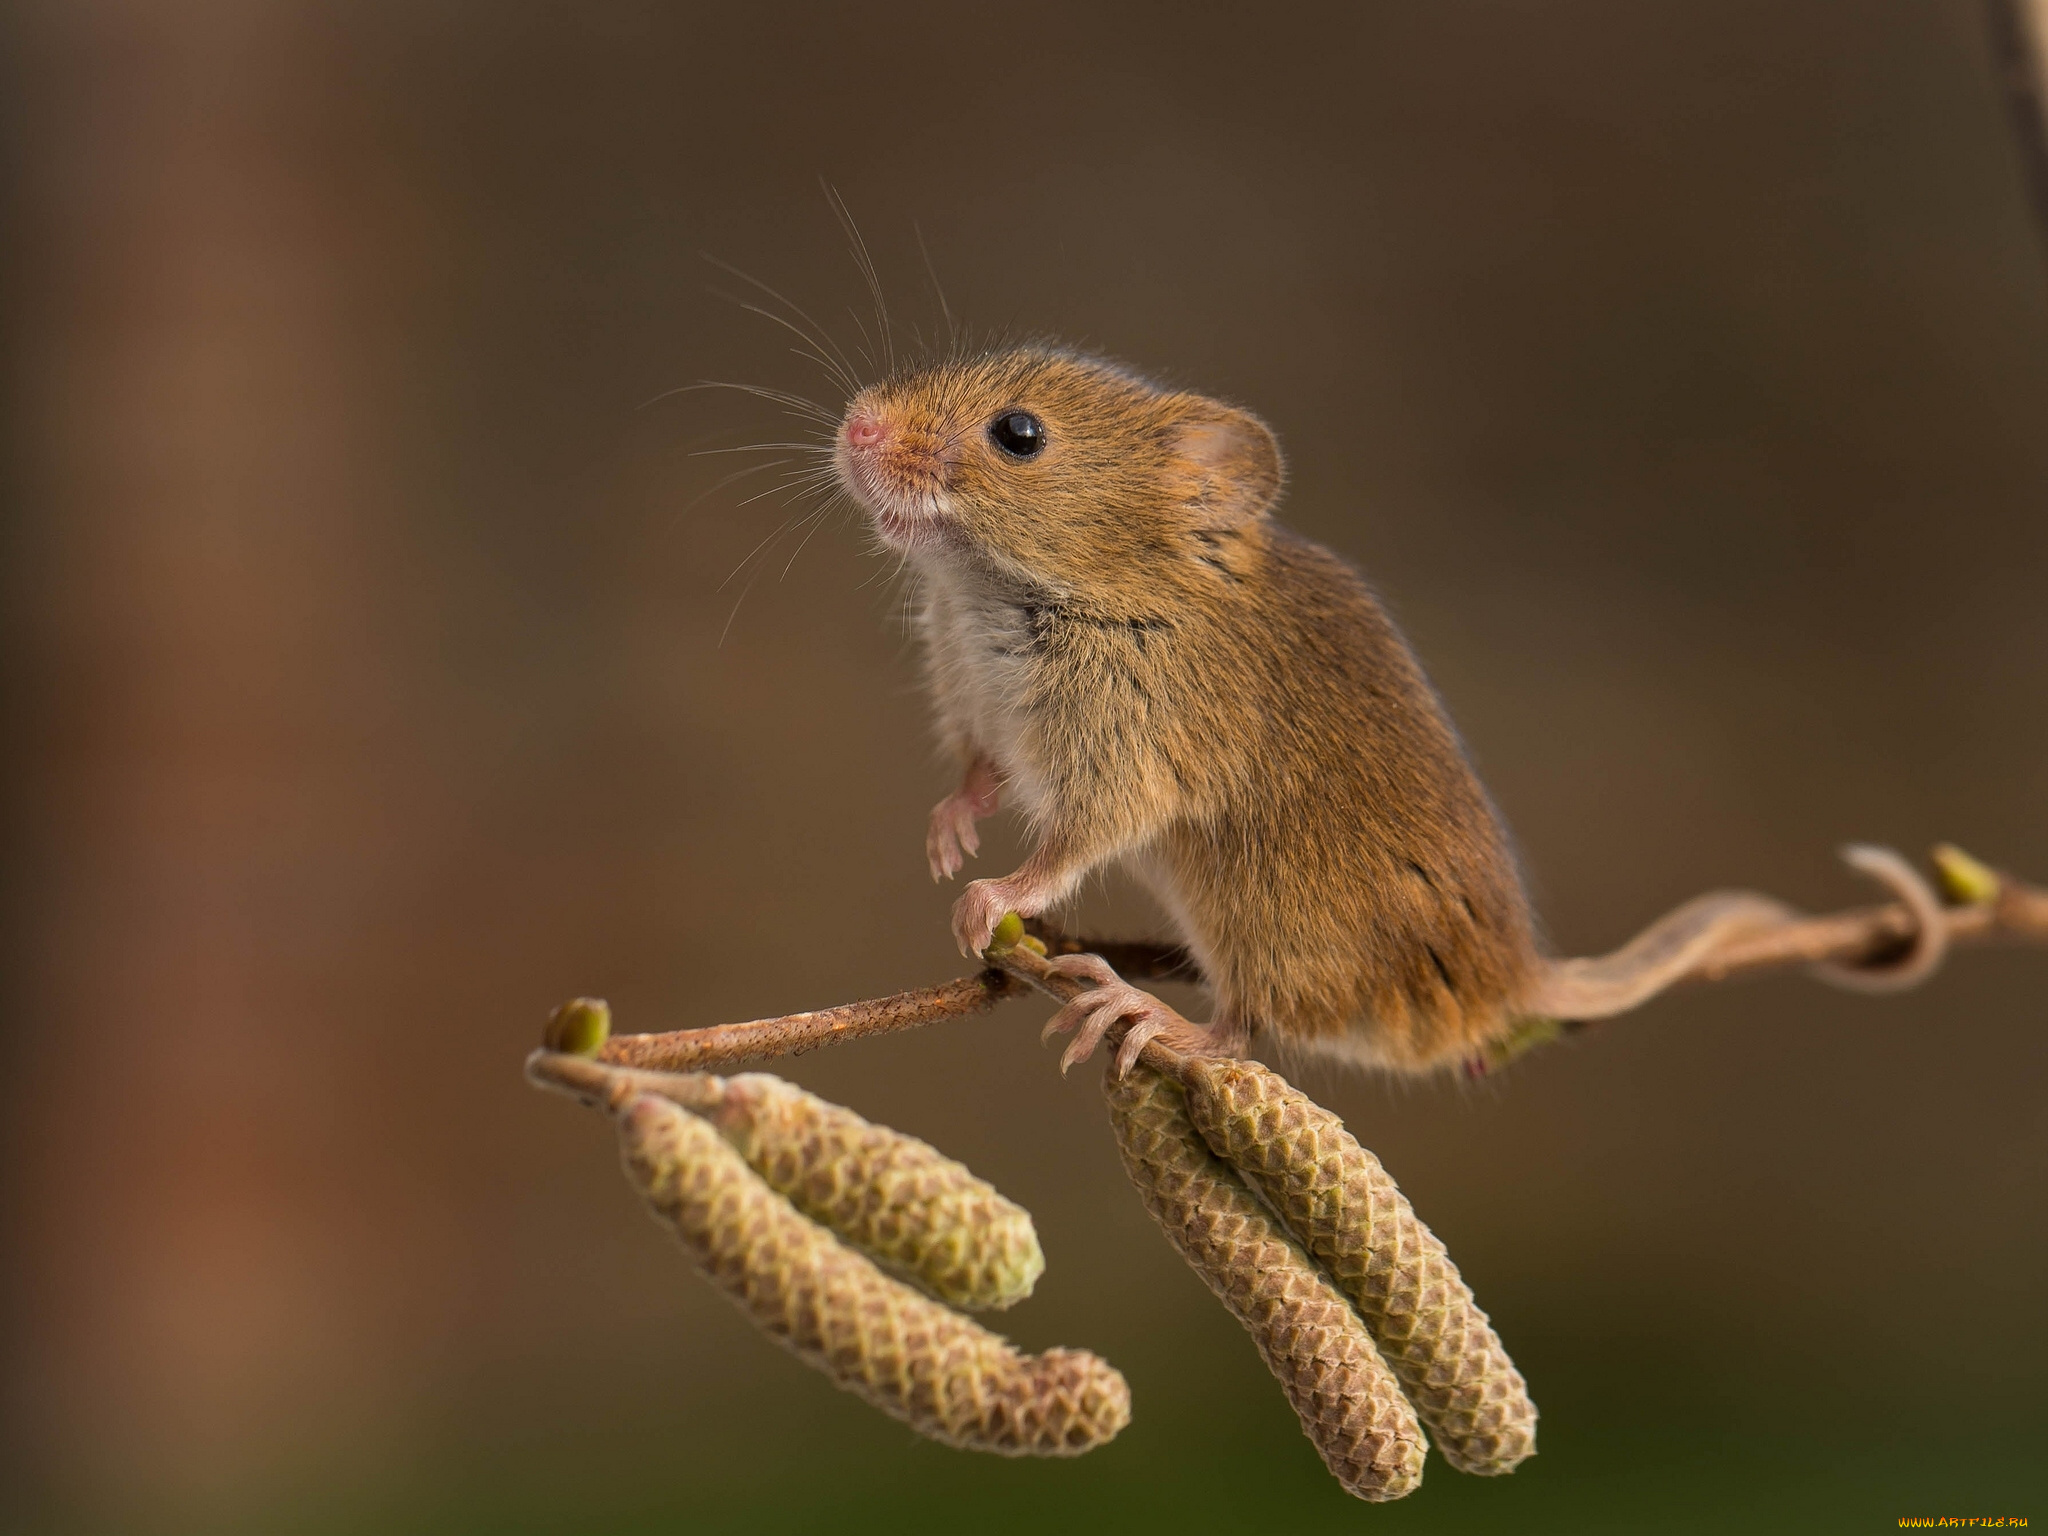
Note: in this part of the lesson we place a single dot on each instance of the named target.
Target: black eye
(1018, 433)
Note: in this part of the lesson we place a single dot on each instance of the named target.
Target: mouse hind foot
(1112, 1006)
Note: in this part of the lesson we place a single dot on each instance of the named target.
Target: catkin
(1348, 1402)
(1339, 1201)
(941, 1373)
(901, 1201)
(897, 1199)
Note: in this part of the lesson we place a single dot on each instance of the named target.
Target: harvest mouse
(1123, 643)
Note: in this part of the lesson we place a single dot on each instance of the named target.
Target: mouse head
(1060, 470)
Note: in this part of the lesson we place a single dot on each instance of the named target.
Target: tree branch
(691, 1050)
(1865, 936)
(1984, 906)
(807, 1215)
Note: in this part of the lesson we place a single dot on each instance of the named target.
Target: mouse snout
(893, 462)
(866, 430)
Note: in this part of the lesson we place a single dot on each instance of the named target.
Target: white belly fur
(977, 655)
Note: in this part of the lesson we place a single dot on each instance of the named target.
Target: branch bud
(1008, 933)
(579, 1027)
(1965, 880)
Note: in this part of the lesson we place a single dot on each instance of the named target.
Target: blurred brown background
(1680, 373)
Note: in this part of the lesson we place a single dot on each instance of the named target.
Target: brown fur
(1165, 677)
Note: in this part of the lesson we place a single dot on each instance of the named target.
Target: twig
(789, 1203)
(611, 1088)
(1868, 935)
(689, 1050)
(1132, 959)
(1988, 907)
(1027, 965)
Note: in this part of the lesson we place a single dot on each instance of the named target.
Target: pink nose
(863, 431)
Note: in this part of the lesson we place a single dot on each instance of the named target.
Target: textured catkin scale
(941, 1373)
(1349, 1404)
(897, 1199)
(1341, 1204)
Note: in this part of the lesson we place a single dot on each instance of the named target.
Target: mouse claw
(1092, 969)
(980, 908)
(1094, 1014)
(1099, 1022)
(950, 838)
(1136, 1039)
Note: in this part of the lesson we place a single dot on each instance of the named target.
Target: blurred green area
(381, 673)
(1627, 1446)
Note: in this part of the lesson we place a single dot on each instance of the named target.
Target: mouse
(1125, 645)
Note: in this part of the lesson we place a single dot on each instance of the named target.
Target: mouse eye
(1018, 433)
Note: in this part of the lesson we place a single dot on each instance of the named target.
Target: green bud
(579, 1027)
(1964, 880)
(1008, 933)
(1523, 1036)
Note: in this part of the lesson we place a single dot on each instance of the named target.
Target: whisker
(823, 488)
(945, 309)
(838, 376)
(880, 575)
(773, 534)
(868, 348)
(738, 602)
(831, 371)
(811, 447)
(822, 339)
(817, 520)
(797, 404)
(903, 618)
(759, 495)
(719, 485)
(866, 264)
(910, 587)
(958, 433)
(824, 471)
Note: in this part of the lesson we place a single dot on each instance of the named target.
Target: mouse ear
(1233, 458)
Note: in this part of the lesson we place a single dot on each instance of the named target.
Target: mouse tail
(1599, 987)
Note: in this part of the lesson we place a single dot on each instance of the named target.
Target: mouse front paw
(950, 838)
(980, 907)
